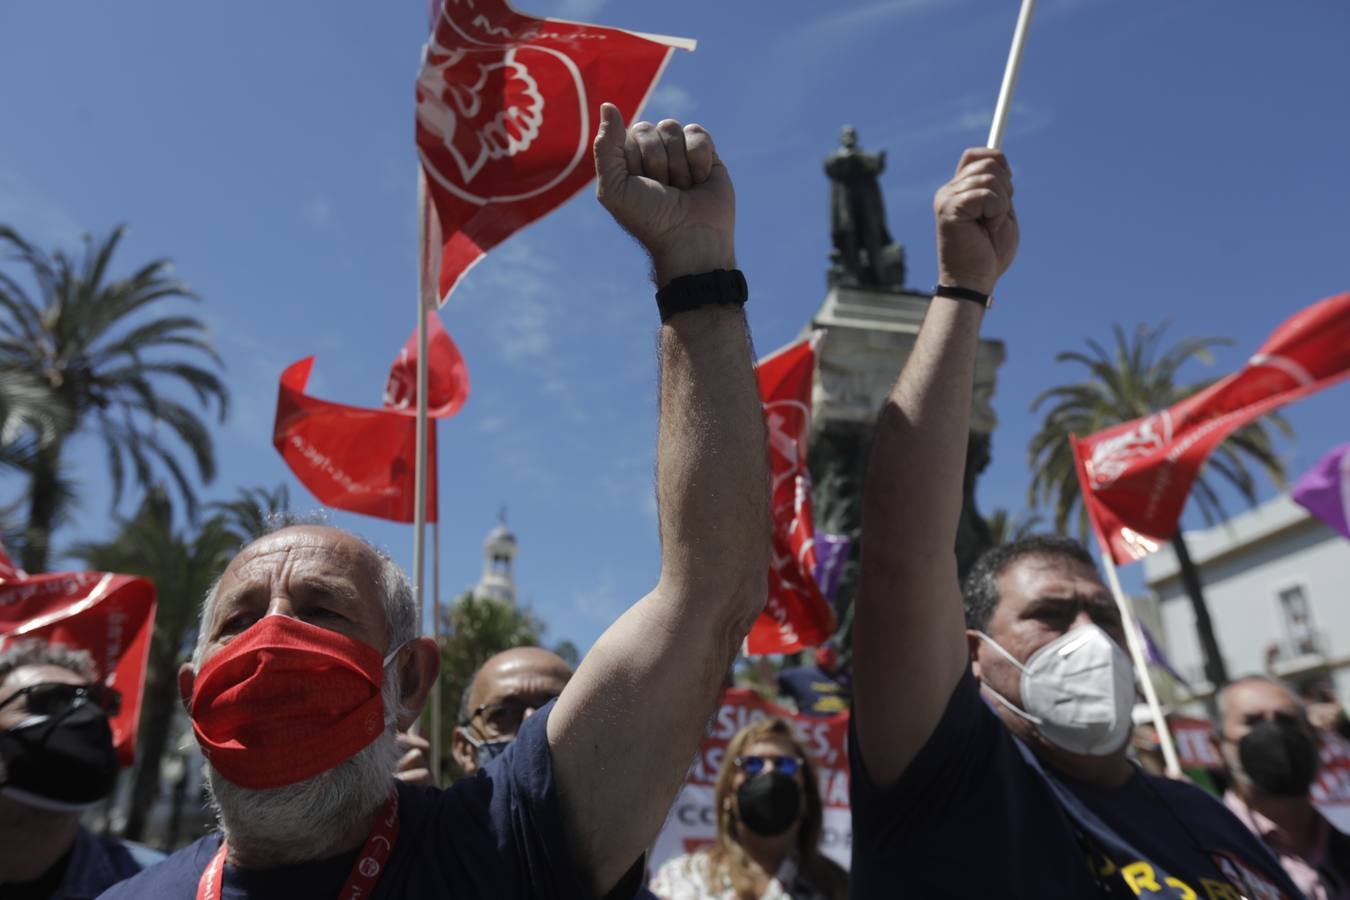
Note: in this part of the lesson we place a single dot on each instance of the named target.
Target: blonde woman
(768, 828)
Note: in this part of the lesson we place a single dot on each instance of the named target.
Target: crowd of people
(991, 718)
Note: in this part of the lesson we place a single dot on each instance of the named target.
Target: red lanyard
(364, 876)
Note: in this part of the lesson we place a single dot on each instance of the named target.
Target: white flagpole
(1169, 750)
(436, 634)
(1005, 93)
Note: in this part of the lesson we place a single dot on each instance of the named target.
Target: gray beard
(306, 820)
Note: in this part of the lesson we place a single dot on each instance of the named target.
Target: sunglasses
(53, 697)
(506, 717)
(753, 765)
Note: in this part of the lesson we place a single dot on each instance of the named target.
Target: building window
(1298, 624)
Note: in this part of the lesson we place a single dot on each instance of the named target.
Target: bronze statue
(864, 254)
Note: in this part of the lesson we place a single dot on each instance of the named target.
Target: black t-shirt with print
(975, 816)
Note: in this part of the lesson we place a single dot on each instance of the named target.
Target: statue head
(848, 137)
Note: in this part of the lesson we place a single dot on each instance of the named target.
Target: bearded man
(308, 662)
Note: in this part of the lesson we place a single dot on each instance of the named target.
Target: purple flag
(1324, 490)
(1154, 656)
(832, 552)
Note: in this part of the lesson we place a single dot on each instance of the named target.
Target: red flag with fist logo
(796, 615)
(1135, 476)
(360, 460)
(109, 616)
(506, 111)
(447, 376)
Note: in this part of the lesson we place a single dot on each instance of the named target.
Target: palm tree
(183, 565)
(1138, 377)
(97, 345)
(1005, 528)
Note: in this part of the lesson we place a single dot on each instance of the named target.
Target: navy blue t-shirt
(497, 835)
(975, 816)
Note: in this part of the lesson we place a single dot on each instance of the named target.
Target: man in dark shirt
(56, 760)
(504, 692)
(308, 661)
(989, 757)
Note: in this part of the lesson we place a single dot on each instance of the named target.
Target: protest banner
(1331, 790)
(506, 111)
(796, 614)
(360, 460)
(109, 616)
(692, 823)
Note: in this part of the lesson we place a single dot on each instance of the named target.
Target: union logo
(484, 130)
(1111, 457)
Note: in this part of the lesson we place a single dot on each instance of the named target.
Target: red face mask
(285, 701)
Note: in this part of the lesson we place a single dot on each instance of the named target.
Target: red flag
(109, 616)
(796, 615)
(447, 376)
(360, 460)
(1135, 476)
(506, 110)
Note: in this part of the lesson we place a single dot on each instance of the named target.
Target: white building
(1277, 583)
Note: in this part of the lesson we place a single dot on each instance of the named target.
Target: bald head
(1253, 699)
(317, 573)
(505, 691)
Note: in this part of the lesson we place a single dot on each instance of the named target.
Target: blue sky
(1181, 160)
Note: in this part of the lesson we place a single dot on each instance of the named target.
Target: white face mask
(1078, 691)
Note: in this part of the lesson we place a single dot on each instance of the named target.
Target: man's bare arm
(626, 727)
(909, 629)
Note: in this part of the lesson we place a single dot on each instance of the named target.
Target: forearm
(915, 477)
(712, 481)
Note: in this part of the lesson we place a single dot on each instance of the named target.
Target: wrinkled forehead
(520, 674)
(304, 549)
(1033, 579)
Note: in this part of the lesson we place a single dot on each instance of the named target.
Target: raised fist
(976, 225)
(666, 186)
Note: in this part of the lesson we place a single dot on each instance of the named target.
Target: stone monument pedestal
(869, 334)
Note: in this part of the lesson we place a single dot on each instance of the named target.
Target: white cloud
(524, 330)
(493, 424)
(876, 12)
(670, 101)
(319, 212)
(34, 215)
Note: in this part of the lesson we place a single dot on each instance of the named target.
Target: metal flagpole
(1005, 93)
(426, 284)
(1169, 749)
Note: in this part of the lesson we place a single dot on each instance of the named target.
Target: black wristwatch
(720, 286)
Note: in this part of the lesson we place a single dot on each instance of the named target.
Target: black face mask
(769, 803)
(66, 758)
(1279, 757)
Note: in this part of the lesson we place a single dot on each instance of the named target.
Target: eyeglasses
(753, 765)
(52, 697)
(506, 716)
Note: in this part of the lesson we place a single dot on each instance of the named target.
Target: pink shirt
(1300, 863)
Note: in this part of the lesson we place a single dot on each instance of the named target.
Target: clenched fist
(976, 224)
(665, 185)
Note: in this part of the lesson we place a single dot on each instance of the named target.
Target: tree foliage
(183, 563)
(83, 351)
(1140, 375)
